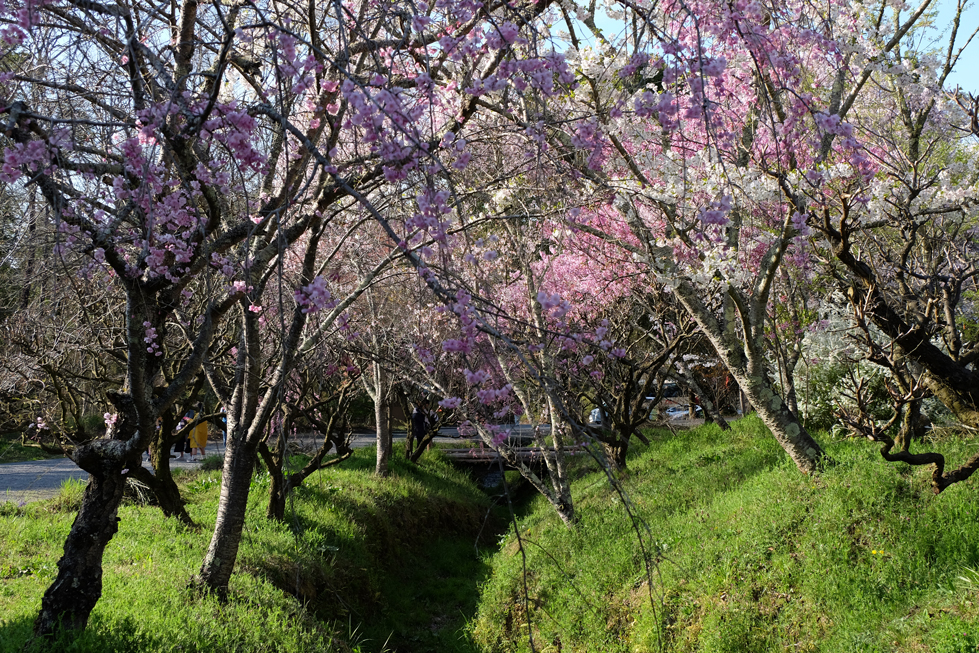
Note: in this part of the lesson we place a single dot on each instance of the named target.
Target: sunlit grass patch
(746, 554)
(358, 561)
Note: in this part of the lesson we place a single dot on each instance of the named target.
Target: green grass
(12, 451)
(361, 564)
(747, 555)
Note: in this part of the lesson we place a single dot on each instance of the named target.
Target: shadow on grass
(16, 636)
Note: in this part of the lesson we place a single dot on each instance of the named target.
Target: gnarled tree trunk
(70, 599)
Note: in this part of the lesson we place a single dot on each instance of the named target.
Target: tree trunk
(410, 452)
(744, 359)
(283, 483)
(276, 508)
(161, 482)
(616, 450)
(791, 396)
(557, 471)
(711, 412)
(167, 494)
(782, 422)
(219, 561)
(70, 599)
(422, 445)
(382, 409)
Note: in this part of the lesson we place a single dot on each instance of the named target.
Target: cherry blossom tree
(318, 394)
(175, 157)
(902, 244)
(707, 131)
(228, 152)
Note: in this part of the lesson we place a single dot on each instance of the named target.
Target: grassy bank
(361, 564)
(13, 451)
(746, 554)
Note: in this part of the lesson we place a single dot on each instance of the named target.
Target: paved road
(35, 480)
(42, 479)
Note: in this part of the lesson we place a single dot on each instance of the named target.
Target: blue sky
(966, 74)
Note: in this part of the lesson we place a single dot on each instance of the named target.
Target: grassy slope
(357, 563)
(12, 451)
(749, 555)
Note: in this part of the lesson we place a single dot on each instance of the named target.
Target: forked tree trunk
(278, 488)
(70, 599)
(744, 359)
(161, 482)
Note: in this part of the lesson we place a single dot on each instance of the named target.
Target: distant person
(420, 420)
(224, 426)
(198, 437)
(182, 445)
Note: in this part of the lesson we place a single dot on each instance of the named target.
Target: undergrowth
(360, 564)
(747, 555)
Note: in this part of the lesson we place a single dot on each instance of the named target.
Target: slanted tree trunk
(70, 599)
(743, 355)
(219, 561)
(247, 417)
(737, 332)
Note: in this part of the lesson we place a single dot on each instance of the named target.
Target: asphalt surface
(41, 479)
(36, 480)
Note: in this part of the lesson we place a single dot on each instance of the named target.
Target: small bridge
(483, 455)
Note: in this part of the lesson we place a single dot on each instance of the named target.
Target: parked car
(595, 416)
(680, 412)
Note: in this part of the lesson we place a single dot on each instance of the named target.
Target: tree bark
(557, 470)
(743, 357)
(616, 450)
(955, 385)
(161, 481)
(382, 417)
(70, 599)
(278, 489)
(782, 422)
(382, 409)
(219, 561)
(711, 413)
